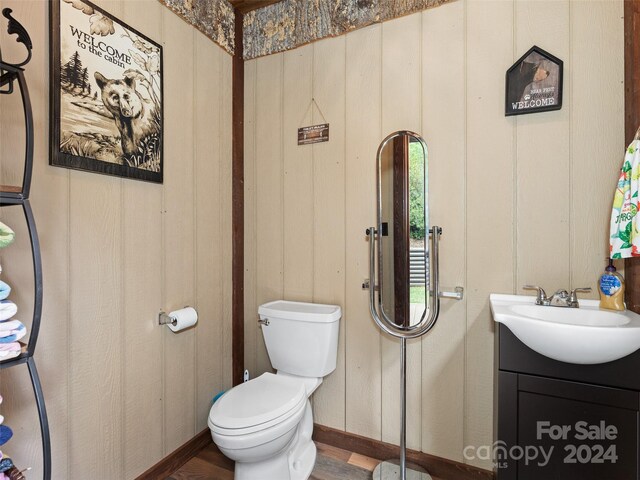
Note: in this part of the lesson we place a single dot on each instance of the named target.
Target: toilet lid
(257, 402)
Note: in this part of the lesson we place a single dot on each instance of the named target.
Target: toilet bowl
(265, 424)
(257, 424)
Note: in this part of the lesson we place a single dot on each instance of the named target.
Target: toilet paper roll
(183, 318)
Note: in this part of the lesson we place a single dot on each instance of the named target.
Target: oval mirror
(403, 229)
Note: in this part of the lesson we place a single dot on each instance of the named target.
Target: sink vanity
(587, 335)
(567, 391)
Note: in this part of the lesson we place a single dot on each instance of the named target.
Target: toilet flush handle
(264, 322)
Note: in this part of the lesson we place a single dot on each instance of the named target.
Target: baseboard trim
(178, 457)
(437, 466)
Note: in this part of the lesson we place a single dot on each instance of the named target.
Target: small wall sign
(534, 83)
(313, 134)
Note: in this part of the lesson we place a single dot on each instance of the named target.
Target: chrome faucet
(561, 298)
(541, 298)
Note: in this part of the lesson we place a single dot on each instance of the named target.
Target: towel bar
(457, 294)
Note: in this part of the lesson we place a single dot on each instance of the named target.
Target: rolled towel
(5, 435)
(5, 290)
(14, 335)
(8, 351)
(6, 235)
(7, 309)
(9, 325)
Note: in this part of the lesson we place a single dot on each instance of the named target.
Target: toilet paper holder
(164, 319)
(179, 320)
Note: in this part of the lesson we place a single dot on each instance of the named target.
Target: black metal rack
(11, 74)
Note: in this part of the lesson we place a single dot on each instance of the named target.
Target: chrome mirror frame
(432, 309)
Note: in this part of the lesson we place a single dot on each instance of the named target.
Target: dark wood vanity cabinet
(559, 421)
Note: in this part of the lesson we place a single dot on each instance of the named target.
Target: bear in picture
(132, 116)
(534, 83)
(527, 73)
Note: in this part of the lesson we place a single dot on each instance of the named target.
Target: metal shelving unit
(12, 75)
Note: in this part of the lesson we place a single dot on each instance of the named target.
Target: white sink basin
(585, 335)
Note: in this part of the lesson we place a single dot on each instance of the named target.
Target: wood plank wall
(121, 391)
(521, 199)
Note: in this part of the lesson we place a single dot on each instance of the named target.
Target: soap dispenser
(611, 286)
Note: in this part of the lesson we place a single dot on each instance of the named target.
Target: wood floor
(331, 464)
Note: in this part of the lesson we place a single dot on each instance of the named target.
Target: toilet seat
(258, 404)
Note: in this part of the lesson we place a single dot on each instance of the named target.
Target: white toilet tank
(301, 338)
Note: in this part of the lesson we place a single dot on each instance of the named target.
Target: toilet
(265, 424)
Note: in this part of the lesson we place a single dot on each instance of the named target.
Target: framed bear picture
(534, 83)
(106, 94)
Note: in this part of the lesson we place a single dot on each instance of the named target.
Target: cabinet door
(506, 425)
(570, 430)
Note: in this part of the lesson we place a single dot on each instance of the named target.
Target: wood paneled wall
(121, 391)
(521, 200)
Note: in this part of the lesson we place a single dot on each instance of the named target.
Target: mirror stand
(399, 469)
(403, 268)
(388, 470)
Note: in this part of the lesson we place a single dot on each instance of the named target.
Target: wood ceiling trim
(214, 19)
(244, 6)
(291, 23)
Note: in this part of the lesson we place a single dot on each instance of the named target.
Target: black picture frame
(534, 83)
(108, 116)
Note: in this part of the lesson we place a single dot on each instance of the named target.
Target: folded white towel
(9, 336)
(9, 350)
(10, 325)
(7, 309)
